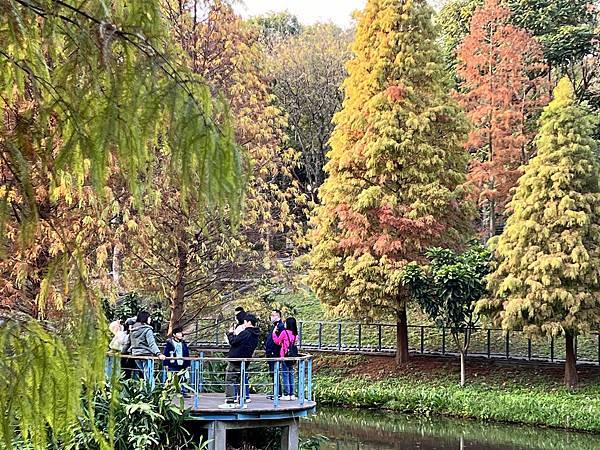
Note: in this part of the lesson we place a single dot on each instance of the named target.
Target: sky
(307, 11)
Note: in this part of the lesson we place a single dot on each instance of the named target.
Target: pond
(345, 429)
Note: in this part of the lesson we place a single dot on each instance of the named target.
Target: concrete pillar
(289, 436)
(217, 436)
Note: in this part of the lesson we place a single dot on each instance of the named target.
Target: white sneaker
(229, 405)
(248, 400)
(286, 398)
(293, 397)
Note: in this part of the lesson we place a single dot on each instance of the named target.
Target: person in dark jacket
(142, 342)
(241, 345)
(272, 350)
(176, 348)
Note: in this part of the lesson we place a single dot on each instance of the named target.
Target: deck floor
(209, 403)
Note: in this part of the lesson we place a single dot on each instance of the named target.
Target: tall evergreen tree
(395, 168)
(548, 275)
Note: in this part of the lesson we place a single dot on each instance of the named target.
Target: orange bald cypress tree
(502, 88)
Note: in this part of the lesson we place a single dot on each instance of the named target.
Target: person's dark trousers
(272, 373)
(247, 383)
(128, 367)
(232, 379)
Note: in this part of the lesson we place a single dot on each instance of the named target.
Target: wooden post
(360, 336)
(339, 336)
(289, 437)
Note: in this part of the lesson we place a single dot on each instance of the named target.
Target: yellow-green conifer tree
(548, 275)
(396, 164)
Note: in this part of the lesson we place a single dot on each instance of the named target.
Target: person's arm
(234, 340)
(152, 344)
(278, 339)
(168, 349)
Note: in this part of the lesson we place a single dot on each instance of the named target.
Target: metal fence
(207, 375)
(380, 338)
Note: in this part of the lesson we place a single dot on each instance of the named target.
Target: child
(177, 348)
(120, 341)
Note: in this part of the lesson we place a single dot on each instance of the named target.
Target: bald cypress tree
(548, 277)
(396, 162)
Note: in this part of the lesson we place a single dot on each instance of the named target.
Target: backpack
(292, 351)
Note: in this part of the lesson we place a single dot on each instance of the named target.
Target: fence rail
(207, 374)
(380, 338)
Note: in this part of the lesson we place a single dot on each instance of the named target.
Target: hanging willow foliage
(90, 94)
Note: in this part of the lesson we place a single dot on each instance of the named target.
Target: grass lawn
(502, 392)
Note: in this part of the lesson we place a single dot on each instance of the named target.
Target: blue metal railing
(207, 375)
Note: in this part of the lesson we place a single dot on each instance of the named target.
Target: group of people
(135, 337)
(243, 338)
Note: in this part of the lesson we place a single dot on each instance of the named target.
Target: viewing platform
(204, 386)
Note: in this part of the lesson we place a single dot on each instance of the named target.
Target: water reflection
(341, 429)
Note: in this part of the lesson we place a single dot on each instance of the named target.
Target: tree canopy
(548, 276)
(396, 164)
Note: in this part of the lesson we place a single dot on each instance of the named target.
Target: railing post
(196, 383)
(309, 377)
(489, 343)
(164, 374)
(599, 349)
(507, 345)
(108, 367)
(379, 337)
(276, 384)
(301, 370)
(443, 340)
(529, 349)
(422, 339)
(339, 336)
(299, 335)
(320, 335)
(552, 349)
(359, 336)
(243, 384)
(201, 373)
(575, 349)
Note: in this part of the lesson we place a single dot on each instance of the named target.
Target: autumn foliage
(396, 166)
(502, 89)
(548, 279)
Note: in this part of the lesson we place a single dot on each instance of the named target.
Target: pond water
(343, 429)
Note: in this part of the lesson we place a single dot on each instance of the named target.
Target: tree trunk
(116, 267)
(178, 294)
(492, 224)
(401, 336)
(462, 368)
(570, 362)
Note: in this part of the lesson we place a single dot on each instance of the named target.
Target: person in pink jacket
(287, 340)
